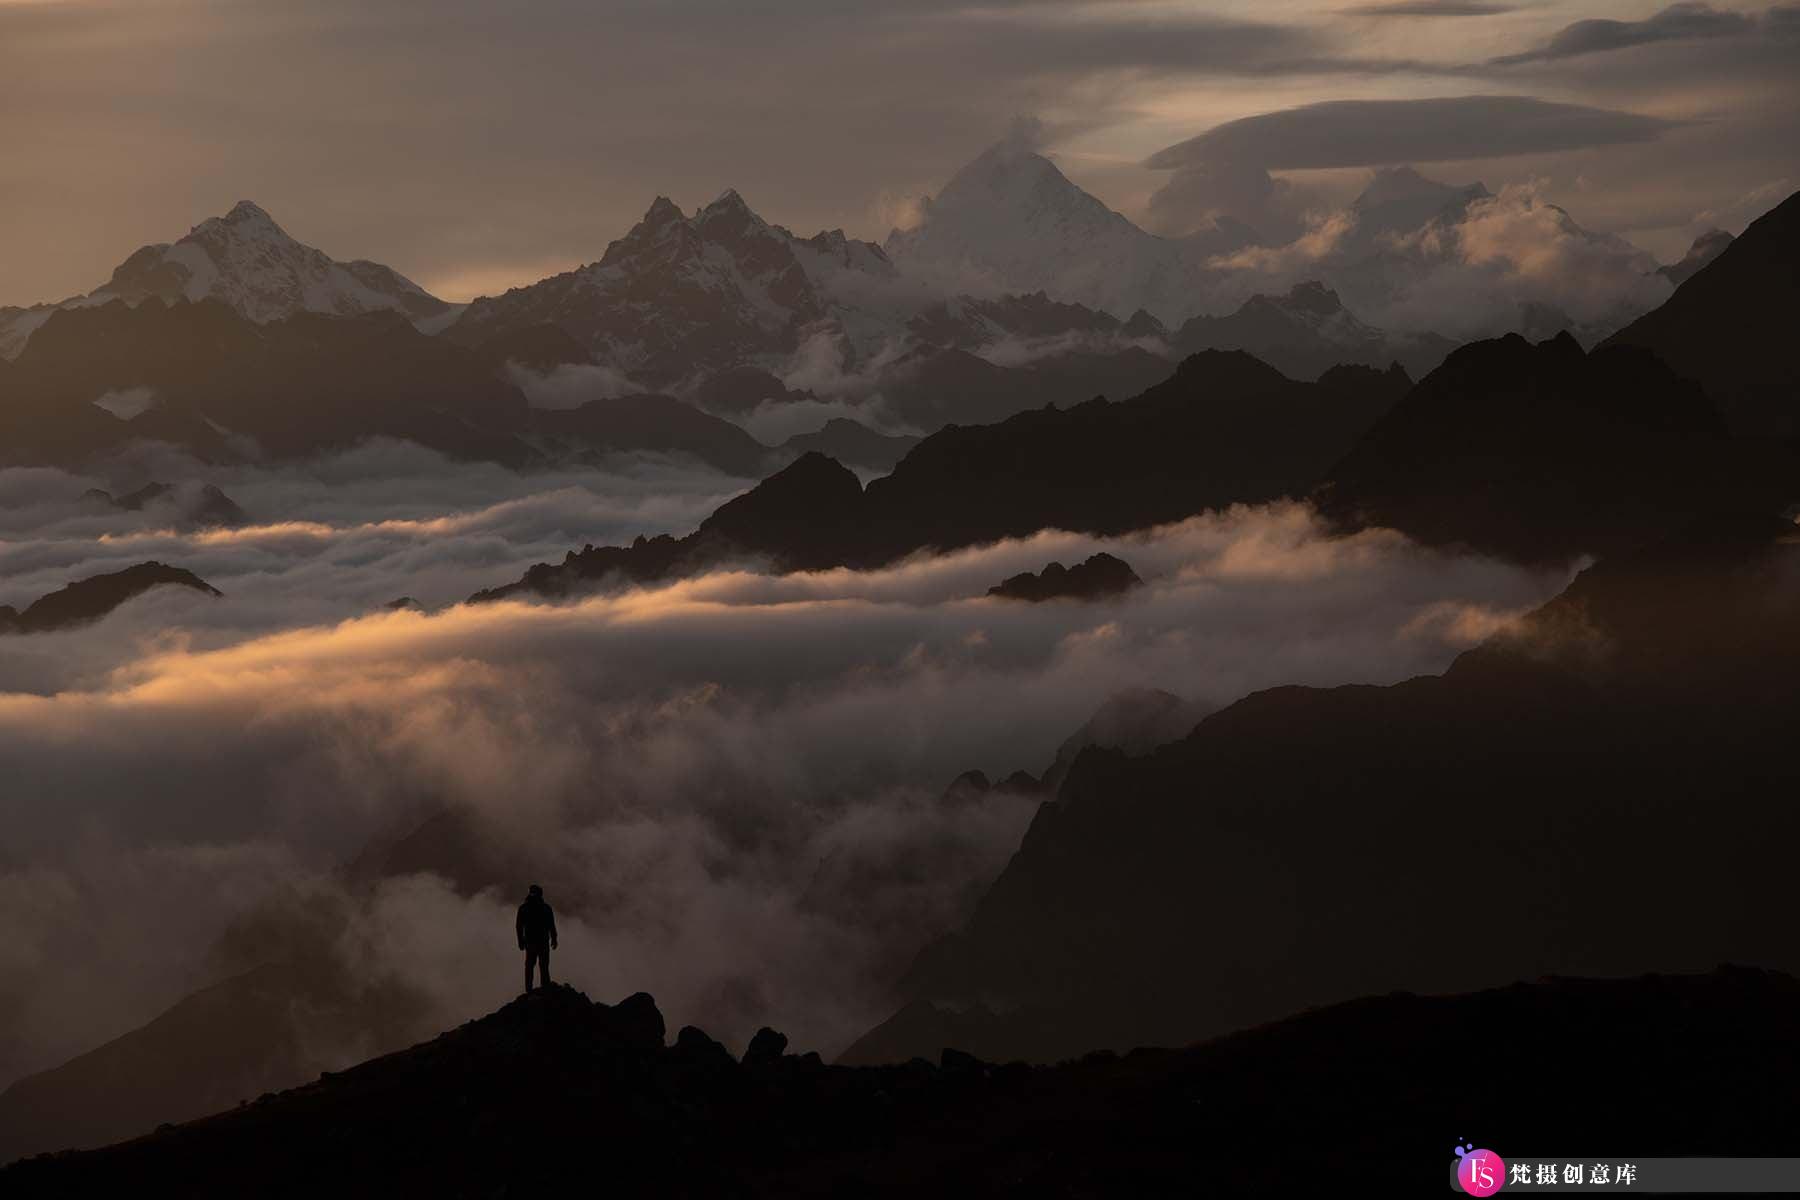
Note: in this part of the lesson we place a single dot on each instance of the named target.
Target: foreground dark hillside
(552, 1091)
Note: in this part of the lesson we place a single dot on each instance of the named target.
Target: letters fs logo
(1480, 1172)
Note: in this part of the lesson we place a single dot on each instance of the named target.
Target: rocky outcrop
(87, 600)
(1099, 576)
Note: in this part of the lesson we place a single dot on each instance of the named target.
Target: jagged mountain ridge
(681, 295)
(1224, 429)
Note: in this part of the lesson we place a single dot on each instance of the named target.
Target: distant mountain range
(1015, 288)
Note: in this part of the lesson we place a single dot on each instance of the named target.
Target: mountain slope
(212, 377)
(1730, 326)
(1601, 791)
(1543, 453)
(1706, 247)
(264, 1028)
(552, 1093)
(203, 377)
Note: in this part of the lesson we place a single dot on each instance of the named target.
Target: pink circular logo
(1481, 1173)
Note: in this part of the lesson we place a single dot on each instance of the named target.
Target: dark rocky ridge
(1100, 575)
(87, 600)
(853, 444)
(553, 1092)
(1542, 453)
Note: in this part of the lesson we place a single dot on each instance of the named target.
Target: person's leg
(544, 965)
(530, 961)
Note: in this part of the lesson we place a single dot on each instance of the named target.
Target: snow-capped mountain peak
(1011, 221)
(675, 296)
(248, 261)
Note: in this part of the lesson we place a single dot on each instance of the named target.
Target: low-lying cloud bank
(732, 785)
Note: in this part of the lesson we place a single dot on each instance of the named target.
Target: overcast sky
(475, 145)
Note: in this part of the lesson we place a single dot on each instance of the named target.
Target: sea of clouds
(733, 786)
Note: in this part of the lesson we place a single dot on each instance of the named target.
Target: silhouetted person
(537, 935)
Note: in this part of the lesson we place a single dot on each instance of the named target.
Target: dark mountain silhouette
(552, 1091)
(1543, 453)
(89, 599)
(204, 506)
(1602, 791)
(1730, 326)
(853, 443)
(229, 389)
(1100, 575)
(1706, 247)
(661, 424)
(294, 387)
(1224, 429)
(1307, 332)
(931, 387)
